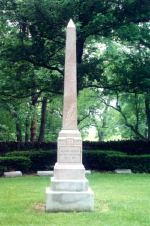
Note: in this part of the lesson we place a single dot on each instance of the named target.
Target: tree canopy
(113, 57)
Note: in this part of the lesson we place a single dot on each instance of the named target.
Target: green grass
(120, 200)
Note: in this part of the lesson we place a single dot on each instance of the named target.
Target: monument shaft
(69, 188)
(70, 83)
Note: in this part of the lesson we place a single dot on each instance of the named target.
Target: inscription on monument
(69, 159)
(69, 154)
(69, 150)
(62, 141)
(68, 141)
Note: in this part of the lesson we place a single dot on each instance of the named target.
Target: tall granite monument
(69, 189)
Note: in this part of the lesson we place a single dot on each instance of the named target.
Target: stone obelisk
(69, 189)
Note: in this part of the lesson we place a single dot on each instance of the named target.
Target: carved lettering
(69, 149)
(69, 159)
(78, 142)
(70, 141)
(61, 141)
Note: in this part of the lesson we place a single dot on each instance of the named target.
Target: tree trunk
(129, 125)
(147, 111)
(137, 112)
(18, 131)
(27, 124)
(80, 45)
(101, 130)
(43, 120)
(14, 112)
(33, 128)
(34, 119)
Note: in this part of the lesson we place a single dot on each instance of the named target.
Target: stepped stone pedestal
(69, 189)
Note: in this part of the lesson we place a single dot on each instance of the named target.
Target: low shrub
(23, 146)
(94, 160)
(110, 161)
(2, 169)
(9, 163)
(131, 147)
(41, 160)
(136, 163)
(98, 160)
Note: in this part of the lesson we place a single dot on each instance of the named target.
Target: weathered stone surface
(69, 185)
(45, 173)
(123, 171)
(69, 201)
(69, 171)
(13, 174)
(70, 83)
(69, 188)
(69, 147)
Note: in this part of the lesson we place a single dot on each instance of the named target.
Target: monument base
(69, 190)
(69, 187)
(68, 201)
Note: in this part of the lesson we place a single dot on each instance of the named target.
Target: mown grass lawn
(120, 200)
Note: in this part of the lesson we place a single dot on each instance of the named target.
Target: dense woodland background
(113, 56)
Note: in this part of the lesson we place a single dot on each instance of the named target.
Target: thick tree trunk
(43, 120)
(147, 111)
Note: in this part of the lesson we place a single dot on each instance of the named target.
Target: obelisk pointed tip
(71, 23)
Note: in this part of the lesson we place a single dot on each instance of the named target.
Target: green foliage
(135, 163)
(96, 160)
(40, 160)
(112, 56)
(7, 126)
(131, 147)
(15, 163)
(109, 161)
(54, 118)
(3, 169)
(128, 67)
